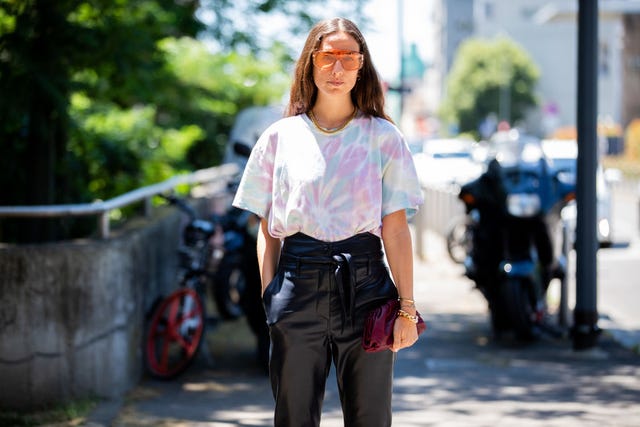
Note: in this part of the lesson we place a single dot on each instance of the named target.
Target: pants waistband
(339, 256)
(301, 245)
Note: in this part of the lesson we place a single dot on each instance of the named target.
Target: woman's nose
(337, 67)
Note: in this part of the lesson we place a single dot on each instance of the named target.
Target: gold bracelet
(406, 302)
(413, 318)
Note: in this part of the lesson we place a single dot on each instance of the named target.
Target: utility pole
(585, 329)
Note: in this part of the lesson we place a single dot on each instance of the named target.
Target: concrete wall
(72, 314)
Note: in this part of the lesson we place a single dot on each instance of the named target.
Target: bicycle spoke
(174, 306)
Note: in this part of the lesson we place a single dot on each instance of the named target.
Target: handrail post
(103, 225)
(148, 206)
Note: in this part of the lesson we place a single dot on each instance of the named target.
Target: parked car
(563, 154)
(447, 161)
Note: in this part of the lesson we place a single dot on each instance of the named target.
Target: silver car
(447, 161)
(563, 155)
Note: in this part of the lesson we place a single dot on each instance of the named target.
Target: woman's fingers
(405, 334)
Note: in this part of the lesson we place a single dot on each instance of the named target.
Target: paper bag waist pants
(315, 306)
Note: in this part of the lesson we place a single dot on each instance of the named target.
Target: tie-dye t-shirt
(329, 186)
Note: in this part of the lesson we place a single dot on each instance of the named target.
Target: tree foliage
(485, 74)
(182, 126)
(253, 24)
(99, 97)
(48, 52)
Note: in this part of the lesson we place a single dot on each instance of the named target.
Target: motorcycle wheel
(520, 308)
(499, 319)
(458, 240)
(174, 334)
(230, 284)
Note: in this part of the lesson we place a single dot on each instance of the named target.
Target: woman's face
(340, 77)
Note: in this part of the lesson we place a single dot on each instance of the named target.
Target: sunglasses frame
(338, 54)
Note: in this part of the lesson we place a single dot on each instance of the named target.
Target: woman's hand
(405, 333)
(268, 249)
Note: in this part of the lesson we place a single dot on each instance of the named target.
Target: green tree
(44, 46)
(489, 76)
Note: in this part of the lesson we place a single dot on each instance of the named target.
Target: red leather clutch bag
(378, 326)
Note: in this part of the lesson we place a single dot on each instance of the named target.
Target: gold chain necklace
(334, 130)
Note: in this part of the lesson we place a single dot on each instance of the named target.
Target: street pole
(585, 329)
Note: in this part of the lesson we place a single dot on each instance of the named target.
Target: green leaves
(489, 77)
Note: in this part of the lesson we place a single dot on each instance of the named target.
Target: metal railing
(102, 209)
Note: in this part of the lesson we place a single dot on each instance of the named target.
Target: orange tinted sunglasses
(325, 59)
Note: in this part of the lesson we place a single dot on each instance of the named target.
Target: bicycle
(458, 238)
(177, 323)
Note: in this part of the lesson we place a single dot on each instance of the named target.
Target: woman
(330, 181)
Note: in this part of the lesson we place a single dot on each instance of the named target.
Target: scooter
(514, 211)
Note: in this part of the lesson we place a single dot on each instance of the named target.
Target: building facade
(547, 30)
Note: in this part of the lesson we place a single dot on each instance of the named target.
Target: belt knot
(344, 274)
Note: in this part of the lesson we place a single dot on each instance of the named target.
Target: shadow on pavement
(455, 375)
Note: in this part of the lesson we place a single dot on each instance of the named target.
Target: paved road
(456, 375)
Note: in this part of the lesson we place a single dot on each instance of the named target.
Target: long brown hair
(366, 95)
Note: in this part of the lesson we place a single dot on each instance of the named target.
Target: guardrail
(102, 209)
(440, 210)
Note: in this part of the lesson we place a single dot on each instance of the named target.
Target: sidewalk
(456, 375)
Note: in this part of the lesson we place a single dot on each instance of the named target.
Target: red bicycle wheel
(175, 332)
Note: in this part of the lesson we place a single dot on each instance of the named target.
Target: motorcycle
(517, 248)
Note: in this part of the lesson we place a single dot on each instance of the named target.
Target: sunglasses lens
(349, 60)
(324, 60)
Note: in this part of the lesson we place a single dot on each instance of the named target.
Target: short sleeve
(400, 185)
(255, 189)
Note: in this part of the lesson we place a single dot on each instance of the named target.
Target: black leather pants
(315, 308)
